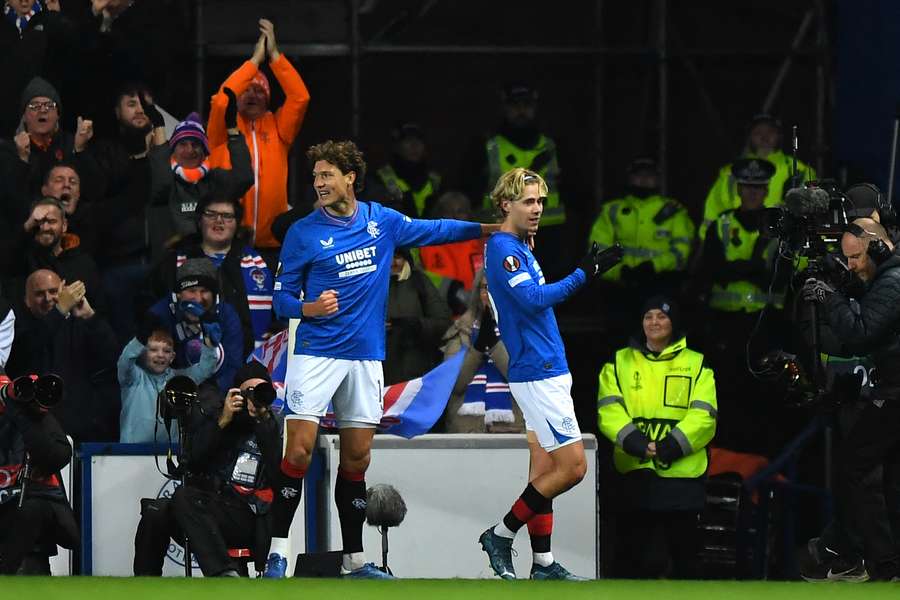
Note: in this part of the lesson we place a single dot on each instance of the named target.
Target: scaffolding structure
(666, 49)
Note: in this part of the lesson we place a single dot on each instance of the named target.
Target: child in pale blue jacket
(143, 373)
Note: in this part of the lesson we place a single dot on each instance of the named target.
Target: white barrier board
(455, 486)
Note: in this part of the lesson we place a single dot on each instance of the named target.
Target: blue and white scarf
(21, 23)
(488, 394)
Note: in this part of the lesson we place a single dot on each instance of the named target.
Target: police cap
(752, 171)
(643, 164)
(407, 129)
(518, 91)
(767, 118)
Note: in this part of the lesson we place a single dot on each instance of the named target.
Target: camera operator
(231, 448)
(34, 511)
(875, 437)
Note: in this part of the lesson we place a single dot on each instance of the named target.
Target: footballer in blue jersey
(539, 377)
(334, 274)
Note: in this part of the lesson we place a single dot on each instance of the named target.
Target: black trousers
(214, 523)
(649, 542)
(836, 535)
(34, 529)
(873, 440)
(156, 527)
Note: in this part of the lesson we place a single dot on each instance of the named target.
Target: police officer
(737, 268)
(764, 137)
(518, 143)
(657, 404)
(234, 446)
(654, 231)
(410, 183)
(35, 515)
(874, 439)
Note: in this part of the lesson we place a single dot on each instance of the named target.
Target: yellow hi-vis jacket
(740, 244)
(399, 186)
(672, 393)
(504, 156)
(655, 229)
(723, 195)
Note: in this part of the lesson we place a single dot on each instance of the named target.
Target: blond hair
(511, 185)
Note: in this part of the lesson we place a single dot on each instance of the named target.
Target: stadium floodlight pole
(892, 172)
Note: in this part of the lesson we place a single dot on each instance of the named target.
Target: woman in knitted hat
(657, 404)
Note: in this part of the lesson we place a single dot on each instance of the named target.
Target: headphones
(881, 203)
(877, 250)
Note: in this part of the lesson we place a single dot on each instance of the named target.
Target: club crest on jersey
(372, 229)
(511, 264)
(329, 243)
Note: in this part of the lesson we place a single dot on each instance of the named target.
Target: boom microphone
(802, 201)
(384, 506)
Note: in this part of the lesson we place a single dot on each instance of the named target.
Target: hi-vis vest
(398, 187)
(670, 394)
(504, 156)
(655, 229)
(739, 244)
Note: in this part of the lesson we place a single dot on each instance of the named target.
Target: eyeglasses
(36, 106)
(215, 216)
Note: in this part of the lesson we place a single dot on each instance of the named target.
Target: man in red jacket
(269, 135)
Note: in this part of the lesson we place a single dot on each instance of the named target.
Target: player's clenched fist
(326, 304)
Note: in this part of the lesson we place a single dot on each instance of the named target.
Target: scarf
(191, 175)
(20, 22)
(488, 394)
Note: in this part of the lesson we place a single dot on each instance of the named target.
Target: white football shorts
(549, 410)
(355, 387)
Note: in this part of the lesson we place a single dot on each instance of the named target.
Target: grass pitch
(140, 588)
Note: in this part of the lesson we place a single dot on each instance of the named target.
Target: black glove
(147, 325)
(487, 333)
(457, 298)
(609, 258)
(668, 450)
(230, 110)
(596, 261)
(816, 290)
(156, 118)
(635, 444)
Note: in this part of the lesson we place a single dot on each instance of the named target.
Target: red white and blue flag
(411, 408)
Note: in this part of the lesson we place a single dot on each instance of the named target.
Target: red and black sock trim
(287, 486)
(540, 528)
(530, 503)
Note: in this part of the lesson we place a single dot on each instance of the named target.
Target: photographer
(231, 447)
(33, 448)
(875, 437)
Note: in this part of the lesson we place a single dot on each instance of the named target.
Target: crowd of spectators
(139, 250)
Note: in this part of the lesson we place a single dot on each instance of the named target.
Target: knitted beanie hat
(190, 128)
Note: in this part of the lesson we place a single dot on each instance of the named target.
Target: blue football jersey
(523, 305)
(353, 257)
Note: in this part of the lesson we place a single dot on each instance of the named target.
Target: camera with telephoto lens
(45, 391)
(178, 398)
(261, 395)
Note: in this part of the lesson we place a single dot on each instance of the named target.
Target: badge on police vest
(511, 264)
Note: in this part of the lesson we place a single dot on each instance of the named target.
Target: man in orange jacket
(269, 135)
